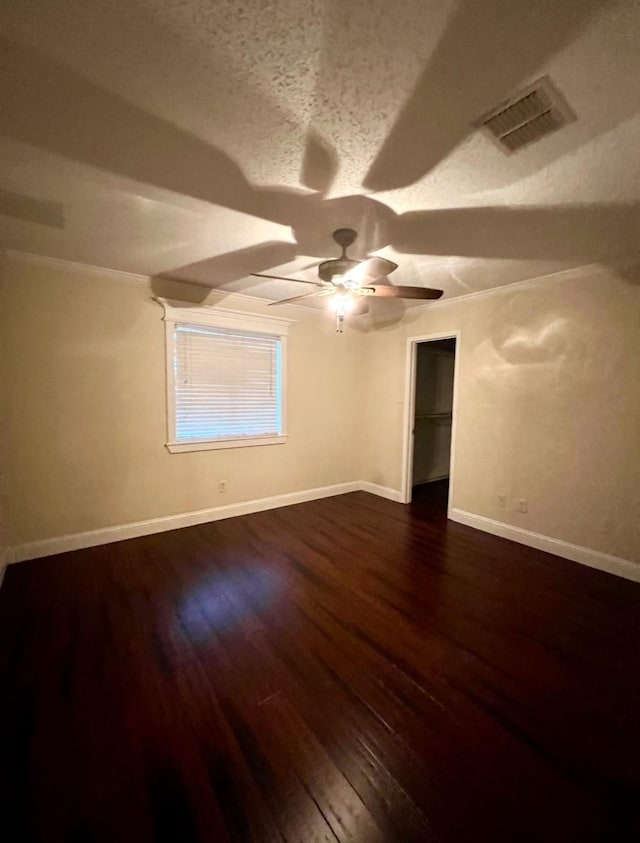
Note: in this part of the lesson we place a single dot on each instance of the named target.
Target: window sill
(219, 444)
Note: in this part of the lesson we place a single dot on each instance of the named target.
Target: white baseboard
(106, 535)
(381, 491)
(575, 552)
(76, 541)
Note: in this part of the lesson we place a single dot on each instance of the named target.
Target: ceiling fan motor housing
(339, 266)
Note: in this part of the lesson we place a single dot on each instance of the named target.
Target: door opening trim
(409, 411)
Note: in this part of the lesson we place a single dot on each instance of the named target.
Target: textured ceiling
(208, 140)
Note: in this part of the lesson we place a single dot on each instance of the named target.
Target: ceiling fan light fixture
(341, 303)
(343, 280)
(350, 283)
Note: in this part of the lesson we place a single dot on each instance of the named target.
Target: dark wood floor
(346, 669)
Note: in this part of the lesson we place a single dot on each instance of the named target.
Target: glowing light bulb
(342, 304)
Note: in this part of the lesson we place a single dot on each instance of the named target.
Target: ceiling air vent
(528, 116)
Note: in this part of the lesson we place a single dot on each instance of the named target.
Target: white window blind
(228, 383)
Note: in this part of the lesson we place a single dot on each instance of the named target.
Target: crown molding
(210, 314)
(72, 266)
(214, 295)
(561, 275)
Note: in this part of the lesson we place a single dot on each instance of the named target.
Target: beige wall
(548, 406)
(83, 361)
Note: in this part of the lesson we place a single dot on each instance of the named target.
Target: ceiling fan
(349, 282)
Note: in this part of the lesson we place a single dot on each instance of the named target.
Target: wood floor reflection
(345, 669)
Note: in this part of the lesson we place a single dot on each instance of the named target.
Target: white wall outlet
(502, 501)
(522, 505)
(222, 486)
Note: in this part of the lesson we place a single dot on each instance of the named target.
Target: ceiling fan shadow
(630, 273)
(370, 218)
(49, 106)
(183, 293)
(573, 233)
(319, 163)
(29, 209)
(487, 50)
(233, 267)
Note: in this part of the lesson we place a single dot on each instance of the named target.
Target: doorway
(429, 434)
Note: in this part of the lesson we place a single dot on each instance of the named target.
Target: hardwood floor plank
(349, 669)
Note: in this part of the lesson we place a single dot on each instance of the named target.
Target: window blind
(228, 383)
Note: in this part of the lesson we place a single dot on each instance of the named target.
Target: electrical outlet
(222, 486)
(502, 501)
(522, 505)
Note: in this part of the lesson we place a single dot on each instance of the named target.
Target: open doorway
(430, 424)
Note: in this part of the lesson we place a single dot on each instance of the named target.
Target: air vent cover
(528, 116)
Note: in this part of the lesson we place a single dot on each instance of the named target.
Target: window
(225, 378)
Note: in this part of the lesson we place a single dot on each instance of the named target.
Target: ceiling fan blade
(371, 270)
(585, 233)
(402, 292)
(282, 278)
(311, 265)
(305, 296)
(477, 58)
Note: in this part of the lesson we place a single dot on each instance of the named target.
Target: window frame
(215, 317)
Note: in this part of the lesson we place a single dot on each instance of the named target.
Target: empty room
(320, 421)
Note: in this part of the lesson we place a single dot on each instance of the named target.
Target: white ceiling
(176, 132)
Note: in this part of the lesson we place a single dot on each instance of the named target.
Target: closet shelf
(433, 415)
